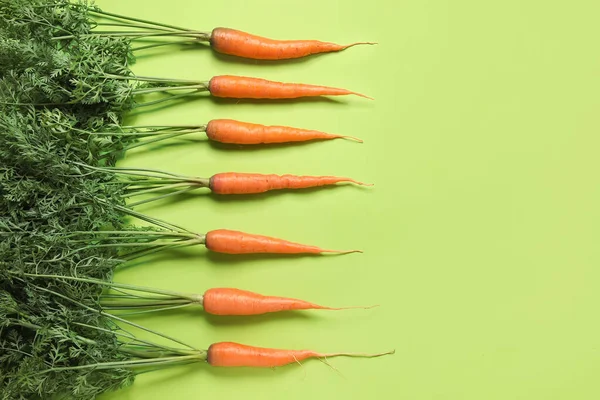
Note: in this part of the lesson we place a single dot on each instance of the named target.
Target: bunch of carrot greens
(65, 87)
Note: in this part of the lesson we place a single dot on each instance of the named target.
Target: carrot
(235, 242)
(247, 183)
(243, 87)
(238, 132)
(243, 44)
(229, 301)
(215, 301)
(229, 354)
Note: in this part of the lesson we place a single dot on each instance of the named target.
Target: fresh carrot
(243, 44)
(238, 132)
(229, 354)
(229, 301)
(215, 301)
(243, 87)
(222, 40)
(235, 242)
(226, 86)
(137, 182)
(172, 236)
(248, 183)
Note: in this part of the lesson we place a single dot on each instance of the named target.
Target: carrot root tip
(353, 138)
(359, 43)
(364, 355)
(363, 183)
(352, 307)
(362, 95)
(341, 251)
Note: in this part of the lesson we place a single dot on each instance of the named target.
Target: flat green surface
(480, 235)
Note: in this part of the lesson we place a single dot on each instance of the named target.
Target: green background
(480, 234)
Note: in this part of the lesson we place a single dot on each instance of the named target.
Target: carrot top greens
(45, 330)
(65, 87)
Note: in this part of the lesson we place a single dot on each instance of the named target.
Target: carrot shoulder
(242, 44)
(243, 87)
(249, 183)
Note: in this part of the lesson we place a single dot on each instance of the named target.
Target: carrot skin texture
(229, 301)
(238, 132)
(230, 354)
(248, 183)
(235, 242)
(243, 87)
(242, 44)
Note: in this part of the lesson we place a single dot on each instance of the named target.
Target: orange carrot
(229, 354)
(243, 44)
(229, 301)
(238, 132)
(246, 183)
(235, 242)
(243, 87)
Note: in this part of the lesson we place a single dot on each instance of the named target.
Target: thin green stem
(133, 184)
(145, 252)
(134, 171)
(135, 35)
(155, 45)
(153, 310)
(121, 304)
(132, 26)
(127, 238)
(196, 88)
(135, 339)
(143, 21)
(151, 79)
(157, 233)
(154, 140)
(158, 127)
(141, 352)
(155, 189)
(122, 245)
(117, 285)
(125, 134)
(164, 196)
(124, 294)
(160, 101)
(132, 363)
(116, 318)
(155, 221)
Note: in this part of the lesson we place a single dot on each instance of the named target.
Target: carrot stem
(114, 317)
(198, 88)
(178, 192)
(161, 127)
(134, 35)
(131, 25)
(165, 136)
(146, 252)
(152, 310)
(150, 79)
(143, 21)
(155, 189)
(160, 101)
(119, 305)
(201, 356)
(154, 45)
(176, 295)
